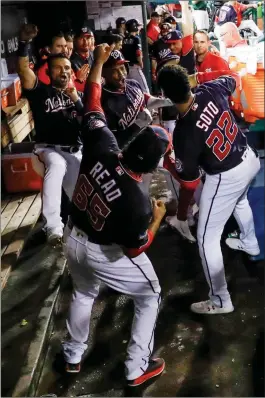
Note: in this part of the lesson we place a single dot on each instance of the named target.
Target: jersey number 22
(216, 140)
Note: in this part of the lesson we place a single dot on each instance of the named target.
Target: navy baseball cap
(120, 21)
(83, 30)
(115, 58)
(143, 153)
(173, 36)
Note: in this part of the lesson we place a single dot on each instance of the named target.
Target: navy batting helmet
(143, 153)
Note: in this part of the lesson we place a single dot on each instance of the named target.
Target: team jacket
(109, 204)
(55, 115)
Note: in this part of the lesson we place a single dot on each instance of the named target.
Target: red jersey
(153, 31)
(211, 62)
(44, 78)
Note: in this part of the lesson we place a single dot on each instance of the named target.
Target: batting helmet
(143, 152)
(132, 25)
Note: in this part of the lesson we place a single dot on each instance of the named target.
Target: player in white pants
(207, 136)
(61, 170)
(111, 224)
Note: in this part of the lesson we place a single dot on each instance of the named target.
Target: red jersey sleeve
(187, 44)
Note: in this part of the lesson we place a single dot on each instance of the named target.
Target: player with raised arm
(207, 136)
(112, 223)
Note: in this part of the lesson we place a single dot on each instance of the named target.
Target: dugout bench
(19, 212)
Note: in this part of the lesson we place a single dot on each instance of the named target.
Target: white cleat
(236, 244)
(182, 227)
(209, 308)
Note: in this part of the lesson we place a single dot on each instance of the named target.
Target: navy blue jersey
(77, 61)
(55, 115)
(207, 135)
(160, 50)
(132, 49)
(227, 13)
(122, 108)
(109, 204)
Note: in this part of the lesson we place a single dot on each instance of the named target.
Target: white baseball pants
(90, 264)
(61, 170)
(222, 195)
(136, 73)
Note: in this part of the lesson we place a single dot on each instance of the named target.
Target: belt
(89, 238)
(65, 148)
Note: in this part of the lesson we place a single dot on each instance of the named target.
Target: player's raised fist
(159, 209)
(102, 52)
(28, 32)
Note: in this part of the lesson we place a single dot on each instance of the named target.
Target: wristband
(23, 48)
(79, 105)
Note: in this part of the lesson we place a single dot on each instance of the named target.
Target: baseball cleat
(55, 240)
(236, 244)
(182, 227)
(209, 308)
(155, 368)
(72, 367)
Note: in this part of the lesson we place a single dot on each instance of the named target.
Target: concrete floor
(205, 355)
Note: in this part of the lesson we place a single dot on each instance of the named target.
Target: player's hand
(159, 209)
(28, 32)
(82, 73)
(102, 52)
(72, 93)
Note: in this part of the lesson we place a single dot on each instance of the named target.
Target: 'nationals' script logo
(56, 104)
(135, 102)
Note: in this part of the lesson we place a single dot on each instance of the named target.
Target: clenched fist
(72, 93)
(28, 32)
(102, 52)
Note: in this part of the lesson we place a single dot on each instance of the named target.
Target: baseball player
(55, 110)
(132, 51)
(159, 49)
(182, 45)
(207, 137)
(125, 104)
(111, 224)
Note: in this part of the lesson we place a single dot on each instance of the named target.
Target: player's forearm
(95, 73)
(203, 77)
(27, 76)
(140, 61)
(155, 102)
(185, 197)
(186, 18)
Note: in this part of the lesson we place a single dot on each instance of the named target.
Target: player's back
(210, 129)
(109, 205)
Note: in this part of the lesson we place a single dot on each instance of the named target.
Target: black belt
(92, 240)
(65, 148)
